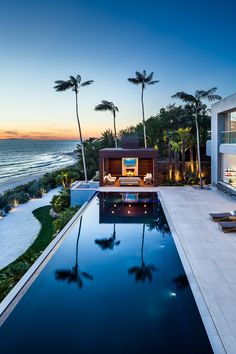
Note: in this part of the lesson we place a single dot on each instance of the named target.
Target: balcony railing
(228, 137)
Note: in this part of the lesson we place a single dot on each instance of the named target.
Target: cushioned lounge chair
(227, 226)
(223, 216)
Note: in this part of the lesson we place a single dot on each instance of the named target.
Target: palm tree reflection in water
(108, 243)
(74, 275)
(144, 271)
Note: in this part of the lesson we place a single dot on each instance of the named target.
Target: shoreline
(33, 177)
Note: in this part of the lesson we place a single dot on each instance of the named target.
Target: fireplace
(130, 172)
(129, 166)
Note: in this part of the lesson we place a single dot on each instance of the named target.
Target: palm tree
(74, 275)
(176, 146)
(167, 136)
(144, 271)
(184, 136)
(74, 83)
(108, 243)
(196, 102)
(144, 80)
(109, 106)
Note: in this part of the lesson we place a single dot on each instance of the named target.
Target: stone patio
(210, 255)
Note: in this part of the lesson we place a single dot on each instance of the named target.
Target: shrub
(64, 218)
(61, 201)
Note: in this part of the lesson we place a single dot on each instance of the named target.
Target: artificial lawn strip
(12, 273)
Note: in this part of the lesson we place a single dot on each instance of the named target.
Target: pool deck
(208, 256)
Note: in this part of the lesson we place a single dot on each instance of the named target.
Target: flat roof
(119, 152)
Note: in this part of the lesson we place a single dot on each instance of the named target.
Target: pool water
(115, 285)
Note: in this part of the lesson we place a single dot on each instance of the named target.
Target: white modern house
(222, 146)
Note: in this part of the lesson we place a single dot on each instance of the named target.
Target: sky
(189, 45)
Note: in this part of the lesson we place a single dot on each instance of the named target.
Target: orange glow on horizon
(66, 134)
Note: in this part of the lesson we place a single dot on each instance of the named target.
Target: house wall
(218, 112)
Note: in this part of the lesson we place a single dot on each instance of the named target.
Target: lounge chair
(231, 216)
(227, 226)
(108, 179)
(148, 178)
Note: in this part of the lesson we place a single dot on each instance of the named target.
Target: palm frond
(153, 82)
(63, 85)
(149, 78)
(139, 76)
(185, 97)
(86, 83)
(134, 81)
(78, 78)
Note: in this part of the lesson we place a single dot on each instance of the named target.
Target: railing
(228, 137)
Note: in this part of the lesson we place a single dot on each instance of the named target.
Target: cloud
(11, 132)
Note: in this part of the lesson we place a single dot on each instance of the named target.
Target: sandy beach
(20, 181)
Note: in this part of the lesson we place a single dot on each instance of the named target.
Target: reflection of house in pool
(127, 207)
(128, 165)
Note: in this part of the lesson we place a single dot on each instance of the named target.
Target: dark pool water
(115, 285)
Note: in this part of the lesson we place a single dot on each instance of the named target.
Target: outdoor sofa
(129, 181)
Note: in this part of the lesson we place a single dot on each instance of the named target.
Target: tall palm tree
(74, 275)
(144, 80)
(74, 83)
(143, 271)
(196, 101)
(109, 106)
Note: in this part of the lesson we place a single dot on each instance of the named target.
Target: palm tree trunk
(191, 159)
(198, 151)
(183, 159)
(114, 121)
(169, 161)
(144, 125)
(81, 139)
(77, 245)
(142, 247)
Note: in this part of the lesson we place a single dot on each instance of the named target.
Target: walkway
(211, 255)
(19, 229)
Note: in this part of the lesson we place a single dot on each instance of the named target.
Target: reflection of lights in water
(145, 212)
(128, 211)
(172, 294)
(162, 246)
(112, 212)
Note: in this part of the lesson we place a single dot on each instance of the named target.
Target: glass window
(232, 121)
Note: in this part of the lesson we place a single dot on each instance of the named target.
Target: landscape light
(173, 294)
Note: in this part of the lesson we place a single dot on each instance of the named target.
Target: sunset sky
(188, 45)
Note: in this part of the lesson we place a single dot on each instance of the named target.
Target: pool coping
(18, 291)
(211, 330)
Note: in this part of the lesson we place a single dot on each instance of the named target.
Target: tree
(144, 80)
(175, 146)
(184, 137)
(74, 83)
(196, 101)
(74, 275)
(109, 106)
(144, 271)
(167, 136)
(108, 243)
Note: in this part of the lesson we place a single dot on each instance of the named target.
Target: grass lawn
(12, 273)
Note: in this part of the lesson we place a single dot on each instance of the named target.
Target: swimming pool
(115, 285)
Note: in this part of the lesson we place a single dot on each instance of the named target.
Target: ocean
(23, 158)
